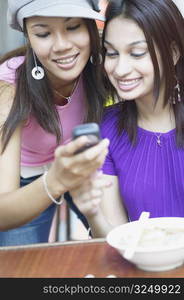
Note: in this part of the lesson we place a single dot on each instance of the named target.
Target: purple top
(151, 176)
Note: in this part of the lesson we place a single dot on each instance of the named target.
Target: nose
(61, 43)
(123, 67)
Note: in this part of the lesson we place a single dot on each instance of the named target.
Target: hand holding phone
(91, 130)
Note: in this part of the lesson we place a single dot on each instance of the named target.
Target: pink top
(38, 146)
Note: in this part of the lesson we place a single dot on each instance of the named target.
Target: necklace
(158, 136)
(69, 97)
(60, 95)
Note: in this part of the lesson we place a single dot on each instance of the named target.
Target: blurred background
(10, 39)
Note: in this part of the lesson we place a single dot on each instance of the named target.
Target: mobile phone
(91, 130)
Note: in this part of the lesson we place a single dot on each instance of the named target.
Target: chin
(127, 97)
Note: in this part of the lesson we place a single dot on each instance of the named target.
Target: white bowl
(161, 245)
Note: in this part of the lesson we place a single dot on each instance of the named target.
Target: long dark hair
(33, 97)
(162, 24)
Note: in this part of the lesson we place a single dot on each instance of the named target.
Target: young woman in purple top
(144, 62)
(56, 81)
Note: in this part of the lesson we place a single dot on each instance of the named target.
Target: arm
(99, 200)
(17, 205)
(20, 205)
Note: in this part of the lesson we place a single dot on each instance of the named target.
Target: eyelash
(132, 54)
(44, 35)
(138, 55)
(74, 27)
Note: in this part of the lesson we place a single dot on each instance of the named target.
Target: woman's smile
(66, 63)
(128, 84)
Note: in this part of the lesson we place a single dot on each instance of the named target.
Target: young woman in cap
(45, 90)
(145, 163)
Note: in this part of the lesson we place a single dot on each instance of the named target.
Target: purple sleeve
(108, 130)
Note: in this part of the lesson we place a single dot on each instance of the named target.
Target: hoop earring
(37, 72)
(99, 60)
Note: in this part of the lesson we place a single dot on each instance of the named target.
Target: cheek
(86, 41)
(87, 50)
(109, 68)
(108, 65)
(146, 67)
(83, 42)
(149, 72)
(40, 48)
(41, 53)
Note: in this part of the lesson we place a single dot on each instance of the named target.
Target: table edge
(53, 244)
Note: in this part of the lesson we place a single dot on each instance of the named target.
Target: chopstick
(131, 248)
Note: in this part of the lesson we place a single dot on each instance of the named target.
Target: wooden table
(71, 260)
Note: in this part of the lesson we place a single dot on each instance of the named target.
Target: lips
(128, 84)
(66, 62)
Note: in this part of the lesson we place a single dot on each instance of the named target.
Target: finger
(94, 206)
(93, 152)
(84, 168)
(96, 193)
(87, 168)
(89, 207)
(70, 148)
(88, 154)
(101, 184)
(81, 189)
(96, 202)
(84, 195)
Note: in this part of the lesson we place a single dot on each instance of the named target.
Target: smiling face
(62, 45)
(127, 62)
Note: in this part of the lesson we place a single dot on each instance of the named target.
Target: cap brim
(66, 11)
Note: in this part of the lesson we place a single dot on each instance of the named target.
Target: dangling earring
(37, 72)
(177, 87)
(177, 92)
(99, 59)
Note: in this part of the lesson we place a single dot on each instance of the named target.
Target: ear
(175, 52)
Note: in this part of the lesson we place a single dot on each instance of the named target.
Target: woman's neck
(158, 119)
(63, 93)
(62, 89)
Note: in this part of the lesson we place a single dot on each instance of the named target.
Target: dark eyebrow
(45, 25)
(39, 25)
(131, 44)
(138, 42)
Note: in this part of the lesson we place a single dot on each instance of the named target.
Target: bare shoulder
(7, 92)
